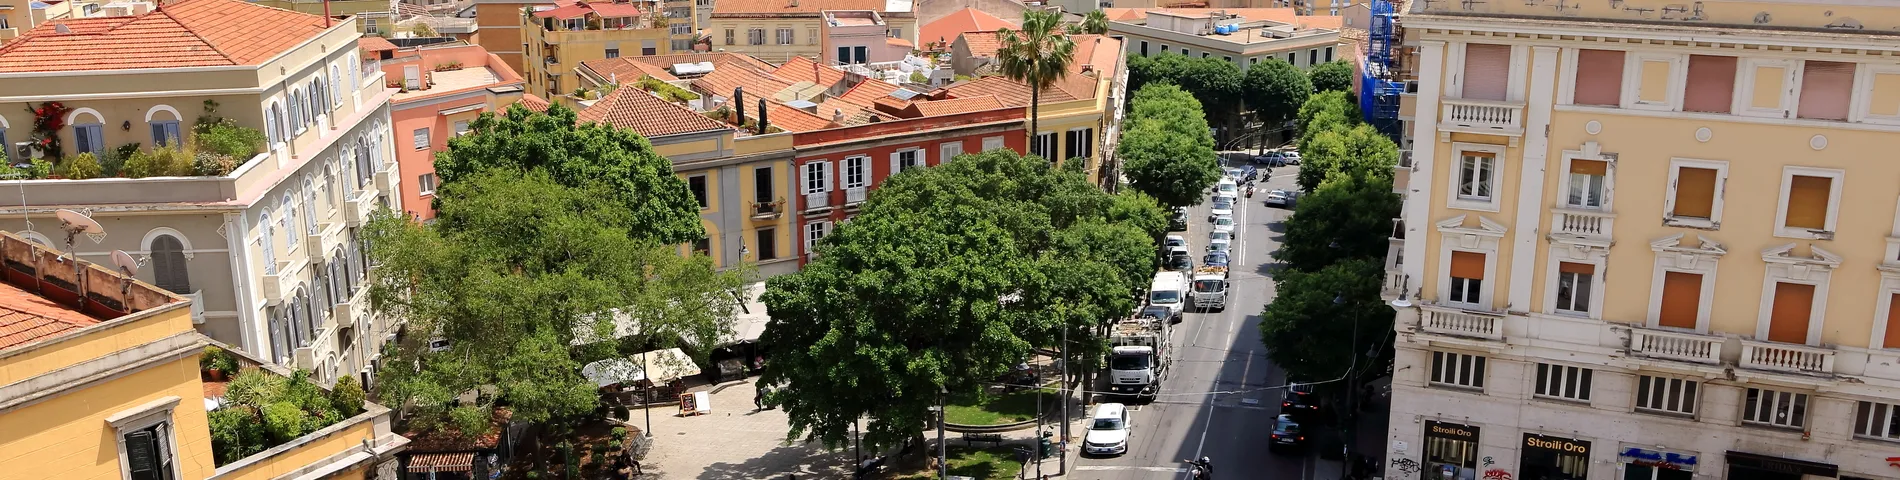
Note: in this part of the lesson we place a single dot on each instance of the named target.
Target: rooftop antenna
(75, 223)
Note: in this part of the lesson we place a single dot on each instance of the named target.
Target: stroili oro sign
(1451, 430)
(1559, 444)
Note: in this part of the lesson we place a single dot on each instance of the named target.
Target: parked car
(1216, 259)
(1178, 221)
(1108, 431)
(1225, 223)
(1277, 198)
(1286, 434)
(1179, 259)
(1234, 173)
(1172, 241)
(1300, 401)
(1221, 235)
(1222, 207)
(1160, 312)
(1219, 245)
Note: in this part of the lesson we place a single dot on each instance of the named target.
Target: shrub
(38, 168)
(619, 433)
(235, 434)
(666, 91)
(918, 77)
(213, 164)
(284, 421)
(254, 387)
(220, 359)
(228, 138)
(166, 161)
(347, 396)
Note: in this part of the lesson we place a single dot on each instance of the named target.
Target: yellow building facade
(1624, 224)
(559, 38)
(776, 31)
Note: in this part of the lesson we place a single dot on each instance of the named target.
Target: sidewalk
(1369, 436)
(733, 443)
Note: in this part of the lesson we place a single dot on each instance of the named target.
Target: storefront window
(1645, 464)
(1554, 458)
(1752, 466)
(1451, 451)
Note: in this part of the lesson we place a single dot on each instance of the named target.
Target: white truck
(1138, 356)
(1169, 290)
(1210, 288)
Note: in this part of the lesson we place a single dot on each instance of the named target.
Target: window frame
(1767, 400)
(1820, 276)
(1591, 304)
(1607, 196)
(1837, 179)
(1084, 138)
(1454, 199)
(856, 166)
(814, 232)
(1889, 413)
(1657, 385)
(1557, 377)
(992, 143)
(425, 184)
(704, 193)
(94, 132)
(815, 177)
(897, 159)
(158, 412)
(1745, 87)
(165, 132)
(784, 36)
(755, 37)
(949, 150)
(421, 138)
(1633, 83)
(1673, 258)
(760, 236)
(1054, 142)
(1461, 378)
(1714, 222)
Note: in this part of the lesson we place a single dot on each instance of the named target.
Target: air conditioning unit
(26, 151)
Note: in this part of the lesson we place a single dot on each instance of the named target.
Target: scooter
(1249, 192)
(1201, 469)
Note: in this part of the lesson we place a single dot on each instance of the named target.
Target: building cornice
(1650, 32)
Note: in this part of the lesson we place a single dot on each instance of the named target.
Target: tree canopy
(1038, 55)
(1333, 76)
(1316, 339)
(1275, 90)
(945, 280)
(1358, 150)
(1346, 218)
(1165, 147)
(1324, 111)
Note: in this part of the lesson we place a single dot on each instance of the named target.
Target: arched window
(329, 183)
(168, 264)
(35, 237)
(336, 95)
(309, 201)
(269, 239)
(356, 77)
(296, 112)
(88, 131)
(280, 334)
(363, 169)
(273, 126)
(163, 120)
(290, 223)
(300, 319)
(338, 269)
(316, 99)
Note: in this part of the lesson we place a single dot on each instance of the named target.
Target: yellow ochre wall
(67, 437)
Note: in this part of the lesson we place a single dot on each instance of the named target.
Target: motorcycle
(1249, 192)
(1202, 469)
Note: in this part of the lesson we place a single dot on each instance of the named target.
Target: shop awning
(748, 323)
(442, 462)
(611, 371)
(667, 365)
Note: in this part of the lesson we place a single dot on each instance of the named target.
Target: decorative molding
(1704, 134)
(1685, 256)
(163, 108)
(1593, 127)
(1817, 142)
(1818, 261)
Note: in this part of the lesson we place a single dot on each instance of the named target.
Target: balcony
(1576, 224)
(386, 179)
(357, 209)
(763, 210)
(1482, 116)
(1684, 347)
(817, 201)
(1462, 323)
(276, 285)
(1394, 284)
(854, 195)
(1786, 357)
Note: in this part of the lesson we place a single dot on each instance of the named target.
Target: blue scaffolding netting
(1380, 87)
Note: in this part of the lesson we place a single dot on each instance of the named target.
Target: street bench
(970, 439)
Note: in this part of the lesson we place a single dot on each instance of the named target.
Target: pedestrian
(758, 397)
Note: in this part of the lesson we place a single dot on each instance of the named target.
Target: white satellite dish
(75, 223)
(127, 265)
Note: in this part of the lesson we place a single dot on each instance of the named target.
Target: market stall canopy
(749, 322)
(612, 371)
(667, 365)
(442, 462)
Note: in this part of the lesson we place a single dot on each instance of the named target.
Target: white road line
(1119, 468)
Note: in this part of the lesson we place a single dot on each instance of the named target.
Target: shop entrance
(1553, 458)
(1451, 451)
(1750, 466)
(1645, 464)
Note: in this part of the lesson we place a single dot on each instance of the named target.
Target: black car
(1286, 434)
(1178, 222)
(1156, 311)
(1300, 401)
(1180, 261)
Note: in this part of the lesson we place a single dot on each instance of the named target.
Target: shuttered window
(1586, 183)
(1599, 77)
(1878, 420)
(168, 264)
(1826, 88)
(1573, 286)
(1457, 369)
(1487, 71)
(1807, 202)
(1695, 192)
(1788, 320)
(1665, 395)
(1467, 277)
(1893, 322)
(1775, 408)
(1711, 86)
(1681, 300)
(1563, 381)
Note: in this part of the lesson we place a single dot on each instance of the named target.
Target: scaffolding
(1381, 84)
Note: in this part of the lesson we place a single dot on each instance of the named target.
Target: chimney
(738, 105)
(762, 121)
(837, 116)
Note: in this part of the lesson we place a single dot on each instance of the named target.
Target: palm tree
(1039, 56)
(1095, 23)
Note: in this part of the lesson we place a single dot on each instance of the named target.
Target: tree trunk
(1035, 106)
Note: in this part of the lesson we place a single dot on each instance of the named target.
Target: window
(1891, 338)
(816, 180)
(1467, 278)
(1697, 193)
(1586, 183)
(460, 127)
(148, 451)
(755, 36)
(421, 137)
(811, 36)
(1081, 143)
(767, 240)
(1793, 307)
(1329, 50)
(266, 237)
(1809, 197)
(4, 146)
(1599, 79)
(1292, 58)
(1185, 52)
(906, 159)
(1474, 176)
(1681, 305)
(1226, 58)
(814, 232)
(296, 112)
(682, 45)
(336, 94)
(729, 37)
(1457, 370)
(992, 143)
(861, 54)
(762, 185)
(1044, 145)
(649, 48)
(1877, 420)
(681, 28)
(289, 223)
(613, 52)
(854, 175)
(164, 132)
(1776, 409)
(425, 183)
(702, 246)
(1826, 88)
(1253, 61)
(1144, 48)
(1573, 287)
(1164, 48)
(1487, 71)
(1562, 381)
(168, 264)
(90, 138)
(949, 150)
(784, 36)
(1666, 395)
(1711, 84)
(697, 184)
(1312, 57)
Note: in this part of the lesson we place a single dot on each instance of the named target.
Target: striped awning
(442, 462)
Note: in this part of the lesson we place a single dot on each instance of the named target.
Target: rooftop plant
(666, 90)
(263, 410)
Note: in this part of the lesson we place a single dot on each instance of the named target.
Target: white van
(1169, 290)
(1108, 430)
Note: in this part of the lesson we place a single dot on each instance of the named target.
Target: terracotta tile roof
(659, 66)
(26, 317)
(743, 8)
(792, 119)
(854, 114)
(579, 9)
(758, 84)
(636, 109)
(1098, 52)
(1008, 91)
(186, 33)
(956, 23)
(804, 69)
(956, 105)
(1280, 15)
(375, 44)
(899, 42)
(532, 102)
(982, 44)
(865, 94)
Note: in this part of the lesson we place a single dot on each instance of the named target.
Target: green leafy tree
(1347, 218)
(1038, 55)
(1326, 102)
(1321, 324)
(661, 206)
(1095, 22)
(1333, 76)
(1359, 151)
(946, 279)
(1275, 90)
(1165, 146)
(1141, 211)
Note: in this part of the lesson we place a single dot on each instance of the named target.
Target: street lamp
(943, 449)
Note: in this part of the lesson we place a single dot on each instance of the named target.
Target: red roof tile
(865, 94)
(804, 69)
(956, 23)
(758, 84)
(375, 44)
(531, 102)
(659, 66)
(792, 119)
(185, 33)
(26, 317)
(567, 10)
(632, 108)
(743, 8)
(982, 44)
(899, 42)
(957, 105)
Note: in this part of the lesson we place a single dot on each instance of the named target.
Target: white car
(1220, 236)
(1277, 198)
(1223, 197)
(1234, 173)
(1108, 431)
(1174, 241)
(1220, 209)
(1220, 245)
(1224, 223)
(1228, 187)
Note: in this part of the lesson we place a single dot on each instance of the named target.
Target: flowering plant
(48, 119)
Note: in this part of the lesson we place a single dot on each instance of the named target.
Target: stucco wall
(67, 436)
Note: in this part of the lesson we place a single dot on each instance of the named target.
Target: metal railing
(817, 200)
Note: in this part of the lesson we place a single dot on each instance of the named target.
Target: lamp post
(1062, 459)
(943, 448)
(648, 410)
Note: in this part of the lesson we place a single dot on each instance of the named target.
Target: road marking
(1120, 468)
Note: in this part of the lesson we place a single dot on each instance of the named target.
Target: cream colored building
(561, 36)
(1622, 235)
(1243, 36)
(777, 30)
(270, 252)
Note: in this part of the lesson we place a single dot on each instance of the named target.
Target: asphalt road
(1222, 394)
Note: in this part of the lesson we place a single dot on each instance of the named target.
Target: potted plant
(217, 364)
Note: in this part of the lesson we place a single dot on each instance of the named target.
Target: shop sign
(1452, 431)
(1652, 458)
(1781, 465)
(1564, 445)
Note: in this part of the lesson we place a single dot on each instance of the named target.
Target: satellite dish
(75, 223)
(127, 265)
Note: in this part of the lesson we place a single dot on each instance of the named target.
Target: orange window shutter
(1467, 265)
(1788, 319)
(1583, 268)
(1695, 192)
(1590, 167)
(1807, 201)
(1893, 322)
(1681, 300)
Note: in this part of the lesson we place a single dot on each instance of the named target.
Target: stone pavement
(733, 443)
